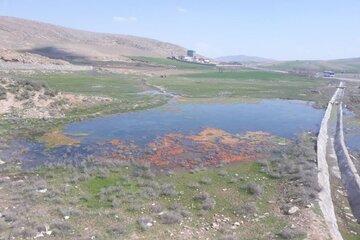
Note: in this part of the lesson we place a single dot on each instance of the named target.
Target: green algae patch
(77, 134)
(57, 138)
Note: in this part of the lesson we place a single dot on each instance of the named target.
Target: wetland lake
(181, 133)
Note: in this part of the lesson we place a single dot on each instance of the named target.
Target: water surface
(279, 117)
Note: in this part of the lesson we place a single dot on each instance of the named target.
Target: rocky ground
(10, 56)
(29, 99)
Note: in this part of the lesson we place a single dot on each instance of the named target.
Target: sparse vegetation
(2, 93)
(289, 233)
(254, 188)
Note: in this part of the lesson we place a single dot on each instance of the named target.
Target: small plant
(116, 230)
(228, 237)
(205, 181)
(180, 209)
(170, 217)
(103, 173)
(145, 222)
(233, 180)
(248, 209)
(254, 189)
(2, 93)
(115, 202)
(193, 185)
(223, 173)
(289, 233)
(208, 204)
(202, 196)
(168, 189)
(60, 228)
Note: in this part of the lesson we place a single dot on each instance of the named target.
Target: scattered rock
(293, 210)
(39, 235)
(214, 225)
(42, 190)
(310, 205)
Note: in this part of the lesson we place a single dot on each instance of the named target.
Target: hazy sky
(279, 29)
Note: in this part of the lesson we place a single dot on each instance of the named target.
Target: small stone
(42, 190)
(1, 162)
(352, 232)
(39, 235)
(236, 224)
(293, 210)
(215, 225)
(66, 217)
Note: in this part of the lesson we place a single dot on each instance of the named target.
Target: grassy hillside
(350, 65)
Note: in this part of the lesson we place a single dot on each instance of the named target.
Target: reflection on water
(278, 117)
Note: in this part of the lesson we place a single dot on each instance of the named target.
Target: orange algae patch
(209, 147)
(168, 149)
(122, 150)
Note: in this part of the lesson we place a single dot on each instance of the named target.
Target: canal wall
(349, 174)
(325, 197)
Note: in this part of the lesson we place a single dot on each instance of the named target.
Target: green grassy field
(351, 65)
(169, 62)
(92, 83)
(254, 84)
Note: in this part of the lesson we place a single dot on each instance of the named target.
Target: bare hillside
(68, 44)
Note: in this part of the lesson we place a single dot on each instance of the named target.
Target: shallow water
(278, 117)
(352, 131)
(134, 136)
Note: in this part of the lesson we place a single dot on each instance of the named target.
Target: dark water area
(352, 131)
(280, 118)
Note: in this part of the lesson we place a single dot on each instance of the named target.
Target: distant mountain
(58, 42)
(242, 59)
